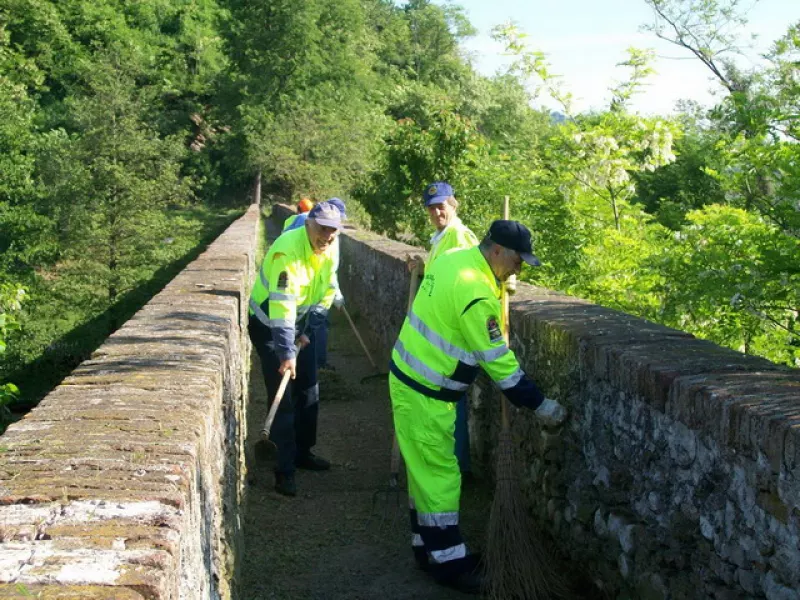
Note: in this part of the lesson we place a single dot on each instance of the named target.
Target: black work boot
(471, 582)
(311, 462)
(464, 574)
(285, 485)
(421, 558)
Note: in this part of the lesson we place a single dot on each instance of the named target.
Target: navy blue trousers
(322, 343)
(294, 429)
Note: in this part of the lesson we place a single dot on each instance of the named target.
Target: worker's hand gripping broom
(517, 566)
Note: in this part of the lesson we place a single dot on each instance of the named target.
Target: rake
(390, 495)
(377, 375)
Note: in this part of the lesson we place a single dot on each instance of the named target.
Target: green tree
(733, 278)
(11, 298)
(112, 177)
(688, 183)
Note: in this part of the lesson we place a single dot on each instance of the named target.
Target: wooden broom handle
(504, 303)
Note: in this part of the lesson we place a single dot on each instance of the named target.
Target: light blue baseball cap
(327, 214)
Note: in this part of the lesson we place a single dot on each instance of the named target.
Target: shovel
(265, 447)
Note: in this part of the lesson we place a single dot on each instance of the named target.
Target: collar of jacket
(483, 266)
(439, 234)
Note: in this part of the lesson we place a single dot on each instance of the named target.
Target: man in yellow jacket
(290, 300)
(453, 329)
(451, 234)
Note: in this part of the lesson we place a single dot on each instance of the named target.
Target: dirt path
(322, 544)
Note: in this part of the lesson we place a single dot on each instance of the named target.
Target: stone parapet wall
(677, 474)
(126, 481)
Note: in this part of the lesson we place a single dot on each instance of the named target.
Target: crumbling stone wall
(677, 474)
(125, 482)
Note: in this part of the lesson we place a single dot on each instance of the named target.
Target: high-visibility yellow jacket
(294, 221)
(294, 289)
(454, 327)
(456, 236)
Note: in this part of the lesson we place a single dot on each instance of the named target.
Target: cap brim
(329, 223)
(530, 259)
(436, 200)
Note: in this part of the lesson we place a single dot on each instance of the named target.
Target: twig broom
(517, 565)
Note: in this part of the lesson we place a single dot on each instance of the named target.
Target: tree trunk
(257, 189)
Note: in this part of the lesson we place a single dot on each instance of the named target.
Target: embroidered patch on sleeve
(283, 280)
(493, 329)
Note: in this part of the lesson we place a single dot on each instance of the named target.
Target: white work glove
(511, 285)
(338, 299)
(551, 413)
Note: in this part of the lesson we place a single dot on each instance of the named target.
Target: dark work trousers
(462, 436)
(322, 343)
(294, 429)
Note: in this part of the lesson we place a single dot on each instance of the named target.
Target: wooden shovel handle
(277, 400)
(275, 403)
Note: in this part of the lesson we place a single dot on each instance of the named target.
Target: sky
(585, 39)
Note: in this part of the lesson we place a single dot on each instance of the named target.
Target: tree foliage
(123, 124)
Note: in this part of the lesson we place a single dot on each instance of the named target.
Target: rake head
(387, 505)
(265, 448)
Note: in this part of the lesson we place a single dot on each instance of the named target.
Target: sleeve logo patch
(283, 279)
(493, 329)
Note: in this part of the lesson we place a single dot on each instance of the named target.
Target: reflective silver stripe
(280, 296)
(416, 540)
(511, 380)
(282, 323)
(265, 320)
(302, 310)
(263, 278)
(448, 554)
(260, 314)
(490, 355)
(439, 342)
(445, 519)
(426, 372)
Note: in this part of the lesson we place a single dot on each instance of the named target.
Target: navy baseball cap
(338, 203)
(326, 213)
(437, 193)
(514, 236)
